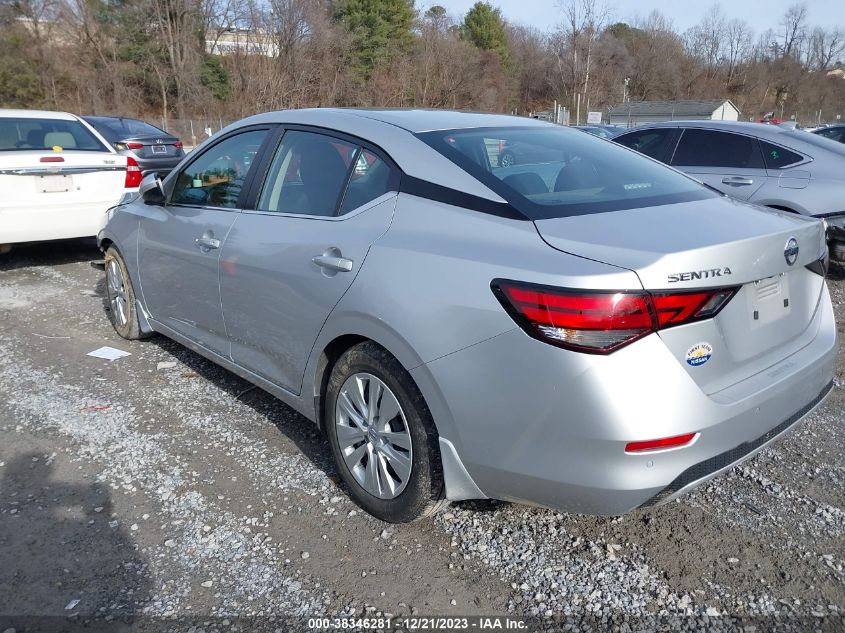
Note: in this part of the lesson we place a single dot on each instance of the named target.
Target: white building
(639, 112)
(243, 41)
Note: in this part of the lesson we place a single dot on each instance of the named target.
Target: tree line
(156, 58)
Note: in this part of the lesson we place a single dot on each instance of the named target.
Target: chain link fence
(193, 131)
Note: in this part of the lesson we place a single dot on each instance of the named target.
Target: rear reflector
(134, 145)
(661, 444)
(601, 322)
(51, 159)
(133, 174)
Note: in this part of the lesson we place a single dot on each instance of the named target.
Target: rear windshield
(46, 134)
(555, 172)
(118, 129)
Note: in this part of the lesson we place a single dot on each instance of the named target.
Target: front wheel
(123, 312)
(382, 436)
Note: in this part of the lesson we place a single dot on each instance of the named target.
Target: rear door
(180, 242)
(732, 163)
(290, 257)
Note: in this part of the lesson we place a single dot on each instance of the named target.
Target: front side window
(651, 142)
(314, 174)
(216, 178)
(562, 172)
(709, 148)
(47, 134)
(777, 156)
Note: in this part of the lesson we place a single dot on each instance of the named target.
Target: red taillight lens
(178, 145)
(133, 174)
(51, 159)
(134, 145)
(661, 444)
(601, 322)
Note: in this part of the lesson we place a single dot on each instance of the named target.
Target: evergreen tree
(381, 30)
(484, 27)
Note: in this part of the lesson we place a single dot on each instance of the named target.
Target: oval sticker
(699, 354)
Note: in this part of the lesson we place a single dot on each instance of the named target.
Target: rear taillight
(133, 174)
(601, 322)
(178, 145)
(134, 145)
(51, 159)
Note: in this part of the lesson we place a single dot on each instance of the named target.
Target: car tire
(507, 159)
(5, 249)
(362, 371)
(123, 312)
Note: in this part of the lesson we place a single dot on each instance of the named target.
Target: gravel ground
(161, 489)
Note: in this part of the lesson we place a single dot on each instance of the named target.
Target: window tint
(708, 148)
(46, 134)
(653, 143)
(776, 156)
(834, 133)
(216, 178)
(570, 173)
(308, 174)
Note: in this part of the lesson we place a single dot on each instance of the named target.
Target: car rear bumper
(55, 222)
(536, 424)
(161, 165)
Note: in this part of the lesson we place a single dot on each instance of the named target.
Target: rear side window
(557, 172)
(709, 148)
(653, 143)
(777, 156)
(314, 174)
(216, 178)
(835, 133)
(47, 134)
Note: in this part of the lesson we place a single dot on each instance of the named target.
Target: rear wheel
(382, 436)
(123, 312)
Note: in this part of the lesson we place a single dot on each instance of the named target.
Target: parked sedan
(769, 165)
(602, 131)
(596, 334)
(58, 177)
(153, 149)
(833, 132)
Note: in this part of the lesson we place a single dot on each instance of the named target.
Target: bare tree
(825, 47)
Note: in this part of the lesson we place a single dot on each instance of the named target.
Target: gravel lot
(162, 488)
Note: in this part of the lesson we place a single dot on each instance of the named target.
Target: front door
(180, 242)
(731, 163)
(287, 262)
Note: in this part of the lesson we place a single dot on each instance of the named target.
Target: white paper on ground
(109, 353)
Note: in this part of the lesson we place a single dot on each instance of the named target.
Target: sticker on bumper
(699, 354)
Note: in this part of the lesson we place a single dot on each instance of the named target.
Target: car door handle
(208, 242)
(737, 180)
(339, 264)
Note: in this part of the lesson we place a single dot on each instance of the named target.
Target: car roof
(774, 133)
(36, 114)
(411, 120)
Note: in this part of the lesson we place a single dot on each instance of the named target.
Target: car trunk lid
(713, 244)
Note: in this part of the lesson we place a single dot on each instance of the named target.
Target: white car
(58, 177)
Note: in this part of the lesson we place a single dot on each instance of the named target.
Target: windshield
(46, 134)
(555, 172)
(118, 129)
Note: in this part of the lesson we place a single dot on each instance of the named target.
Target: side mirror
(151, 189)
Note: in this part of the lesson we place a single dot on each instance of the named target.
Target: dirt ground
(173, 495)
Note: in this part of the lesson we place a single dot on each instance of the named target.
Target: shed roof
(704, 107)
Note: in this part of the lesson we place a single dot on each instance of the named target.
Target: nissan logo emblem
(790, 251)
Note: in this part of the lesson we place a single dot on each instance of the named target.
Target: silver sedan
(591, 331)
(770, 165)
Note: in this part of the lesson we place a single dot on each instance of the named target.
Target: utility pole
(625, 90)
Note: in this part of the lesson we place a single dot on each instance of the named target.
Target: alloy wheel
(373, 435)
(117, 293)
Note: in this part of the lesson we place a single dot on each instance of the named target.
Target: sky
(545, 14)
